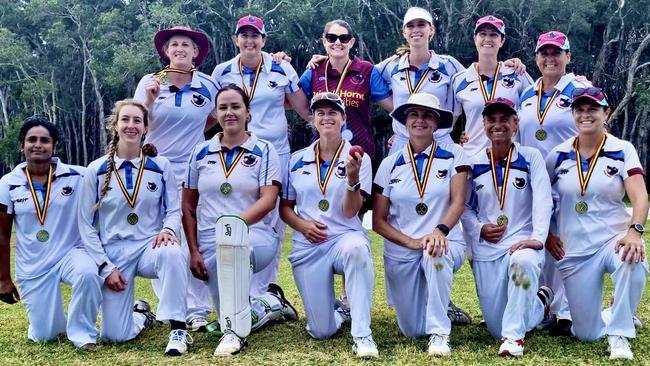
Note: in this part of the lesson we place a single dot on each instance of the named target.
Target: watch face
(639, 228)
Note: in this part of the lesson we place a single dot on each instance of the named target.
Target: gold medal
(541, 134)
(225, 188)
(582, 207)
(495, 80)
(132, 218)
(421, 208)
(42, 235)
(162, 74)
(502, 220)
(323, 205)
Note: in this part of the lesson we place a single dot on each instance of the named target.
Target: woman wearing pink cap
(180, 100)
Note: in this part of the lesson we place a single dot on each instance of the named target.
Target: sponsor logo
(394, 181)
(563, 171)
(210, 162)
(478, 187)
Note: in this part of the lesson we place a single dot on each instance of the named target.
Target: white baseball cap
(417, 13)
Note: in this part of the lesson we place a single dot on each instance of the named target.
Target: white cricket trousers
(137, 258)
(507, 292)
(42, 298)
(583, 280)
(420, 289)
(314, 266)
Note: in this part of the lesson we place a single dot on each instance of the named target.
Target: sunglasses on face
(591, 91)
(331, 37)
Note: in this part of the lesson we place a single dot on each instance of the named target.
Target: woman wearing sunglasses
(591, 173)
(545, 122)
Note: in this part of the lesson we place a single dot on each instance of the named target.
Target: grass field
(289, 344)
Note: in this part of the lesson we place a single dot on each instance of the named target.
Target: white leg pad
(234, 274)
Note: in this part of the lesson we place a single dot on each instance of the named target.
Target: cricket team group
(532, 195)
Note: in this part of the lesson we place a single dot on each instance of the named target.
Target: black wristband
(444, 228)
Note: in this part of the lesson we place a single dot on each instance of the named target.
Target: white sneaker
(229, 344)
(179, 342)
(439, 345)
(512, 347)
(365, 347)
(619, 348)
(197, 324)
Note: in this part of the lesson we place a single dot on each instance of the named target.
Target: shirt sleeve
(542, 199)
(379, 88)
(288, 191)
(292, 76)
(384, 72)
(305, 83)
(365, 175)
(550, 170)
(172, 208)
(140, 92)
(192, 173)
(87, 215)
(6, 205)
(460, 161)
(632, 164)
(382, 178)
(471, 223)
(526, 81)
(270, 168)
(452, 102)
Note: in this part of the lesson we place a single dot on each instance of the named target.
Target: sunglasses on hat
(331, 37)
(590, 91)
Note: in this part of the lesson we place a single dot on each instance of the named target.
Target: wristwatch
(638, 228)
(353, 188)
(444, 228)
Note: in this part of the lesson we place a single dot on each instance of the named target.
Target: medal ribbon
(41, 212)
(250, 94)
(541, 115)
(132, 198)
(164, 71)
(487, 97)
(226, 169)
(493, 167)
(419, 84)
(340, 83)
(421, 183)
(322, 184)
(584, 180)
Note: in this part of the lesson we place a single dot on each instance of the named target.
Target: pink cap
(499, 104)
(493, 21)
(251, 21)
(555, 38)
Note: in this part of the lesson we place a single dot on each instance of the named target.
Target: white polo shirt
(439, 72)
(528, 204)
(301, 186)
(558, 124)
(268, 120)
(34, 257)
(257, 166)
(395, 181)
(177, 118)
(469, 99)
(156, 206)
(606, 218)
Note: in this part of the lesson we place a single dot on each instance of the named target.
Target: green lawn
(289, 344)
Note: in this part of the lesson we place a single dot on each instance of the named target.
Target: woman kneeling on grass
(128, 217)
(40, 196)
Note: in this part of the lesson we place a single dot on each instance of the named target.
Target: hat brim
(488, 25)
(200, 39)
(332, 103)
(588, 98)
(446, 118)
(551, 43)
(498, 107)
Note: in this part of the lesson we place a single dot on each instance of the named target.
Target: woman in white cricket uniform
(234, 173)
(40, 195)
(545, 121)
(180, 100)
(590, 175)
(485, 80)
(266, 83)
(326, 187)
(420, 195)
(506, 223)
(128, 217)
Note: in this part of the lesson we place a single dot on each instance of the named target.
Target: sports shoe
(562, 327)
(288, 311)
(619, 348)
(229, 344)
(214, 328)
(512, 347)
(343, 311)
(89, 347)
(638, 323)
(457, 315)
(439, 345)
(179, 342)
(365, 347)
(143, 307)
(197, 324)
(343, 300)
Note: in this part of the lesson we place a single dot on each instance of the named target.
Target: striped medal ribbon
(258, 70)
(132, 218)
(495, 78)
(581, 206)
(339, 85)
(226, 187)
(41, 212)
(421, 181)
(501, 196)
(324, 204)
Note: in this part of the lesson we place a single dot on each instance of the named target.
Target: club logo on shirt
(563, 172)
(520, 183)
(198, 100)
(356, 77)
(508, 82)
(66, 191)
(249, 160)
(273, 84)
(611, 171)
(435, 76)
(394, 181)
(152, 187)
(563, 102)
(340, 170)
(442, 174)
(478, 187)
